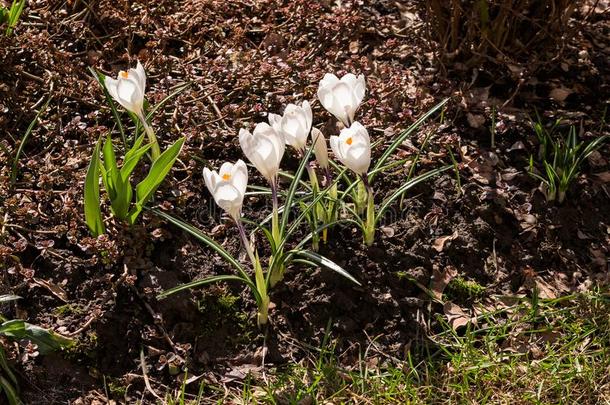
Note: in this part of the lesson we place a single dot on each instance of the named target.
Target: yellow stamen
(348, 140)
(226, 177)
(124, 74)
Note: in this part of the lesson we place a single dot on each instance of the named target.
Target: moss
(116, 388)
(83, 346)
(402, 275)
(222, 310)
(68, 309)
(460, 289)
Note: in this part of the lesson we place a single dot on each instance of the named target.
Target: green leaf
(3, 15)
(293, 189)
(199, 283)
(118, 188)
(405, 134)
(325, 262)
(6, 367)
(93, 213)
(24, 139)
(159, 169)
(13, 15)
(9, 297)
(14, 328)
(131, 161)
(9, 391)
(406, 186)
(46, 340)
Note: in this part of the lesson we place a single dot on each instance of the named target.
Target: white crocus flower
(295, 124)
(342, 97)
(353, 148)
(128, 89)
(264, 148)
(319, 148)
(228, 186)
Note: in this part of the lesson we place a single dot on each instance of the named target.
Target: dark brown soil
(242, 60)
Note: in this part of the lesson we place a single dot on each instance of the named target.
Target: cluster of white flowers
(265, 145)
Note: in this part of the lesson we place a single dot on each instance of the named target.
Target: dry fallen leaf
(559, 94)
(441, 279)
(53, 288)
(456, 316)
(439, 243)
(475, 120)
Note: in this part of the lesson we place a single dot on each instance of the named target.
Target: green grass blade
(46, 340)
(9, 391)
(292, 190)
(13, 16)
(408, 185)
(93, 213)
(25, 138)
(161, 103)
(199, 283)
(9, 297)
(325, 262)
(6, 367)
(132, 158)
(405, 134)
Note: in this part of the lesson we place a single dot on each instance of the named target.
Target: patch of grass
(535, 351)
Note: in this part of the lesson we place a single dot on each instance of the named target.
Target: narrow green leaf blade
(93, 213)
(405, 134)
(199, 283)
(159, 169)
(326, 262)
(406, 186)
(9, 297)
(46, 340)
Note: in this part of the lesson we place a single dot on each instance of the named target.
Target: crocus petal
(308, 114)
(141, 76)
(228, 198)
(360, 132)
(264, 148)
(329, 80)
(342, 97)
(334, 146)
(111, 85)
(209, 178)
(353, 148)
(319, 147)
(239, 177)
(275, 120)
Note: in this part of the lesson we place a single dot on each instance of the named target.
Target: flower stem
(275, 219)
(369, 226)
(276, 269)
(315, 211)
(245, 241)
(154, 150)
(259, 277)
